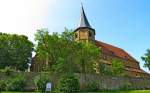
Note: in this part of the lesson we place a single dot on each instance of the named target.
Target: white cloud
(23, 16)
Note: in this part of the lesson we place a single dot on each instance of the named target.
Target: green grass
(131, 91)
(20, 92)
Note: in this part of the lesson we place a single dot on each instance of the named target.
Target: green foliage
(146, 58)
(88, 55)
(16, 51)
(93, 86)
(68, 84)
(105, 69)
(117, 67)
(56, 49)
(126, 86)
(16, 83)
(8, 70)
(63, 54)
(41, 81)
(2, 85)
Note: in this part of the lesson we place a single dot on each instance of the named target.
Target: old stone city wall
(102, 82)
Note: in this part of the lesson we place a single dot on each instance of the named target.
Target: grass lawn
(19, 92)
(131, 91)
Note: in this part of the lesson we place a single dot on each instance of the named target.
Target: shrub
(68, 84)
(93, 86)
(8, 70)
(40, 81)
(2, 85)
(16, 84)
(126, 86)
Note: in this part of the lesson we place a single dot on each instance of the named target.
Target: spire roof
(83, 19)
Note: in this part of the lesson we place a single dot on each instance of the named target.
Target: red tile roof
(112, 50)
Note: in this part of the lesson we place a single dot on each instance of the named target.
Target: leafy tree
(105, 69)
(146, 58)
(63, 54)
(117, 67)
(15, 51)
(88, 55)
(56, 49)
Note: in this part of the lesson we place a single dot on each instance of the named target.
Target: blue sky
(123, 23)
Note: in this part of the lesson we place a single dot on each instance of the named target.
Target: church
(85, 33)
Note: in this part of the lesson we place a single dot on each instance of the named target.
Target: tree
(117, 67)
(63, 53)
(146, 58)
(105, 69)
(15, 51)
(56, 49)
(88, 56)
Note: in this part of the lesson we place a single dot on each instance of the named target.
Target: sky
(123, 23)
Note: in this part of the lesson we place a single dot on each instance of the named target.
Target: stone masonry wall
(104, 82)
(112, 83)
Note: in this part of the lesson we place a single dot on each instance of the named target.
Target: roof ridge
(119, 49)
(110, 45)
(129, 55)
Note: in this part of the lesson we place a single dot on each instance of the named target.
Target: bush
(93, 86)
(68, 84)
(2, 85)
(8, 70)
(40, 81)
(16, 84)
(126, 86)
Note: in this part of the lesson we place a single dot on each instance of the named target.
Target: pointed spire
(83, 19)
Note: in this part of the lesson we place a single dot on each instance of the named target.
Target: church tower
(84, 32)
